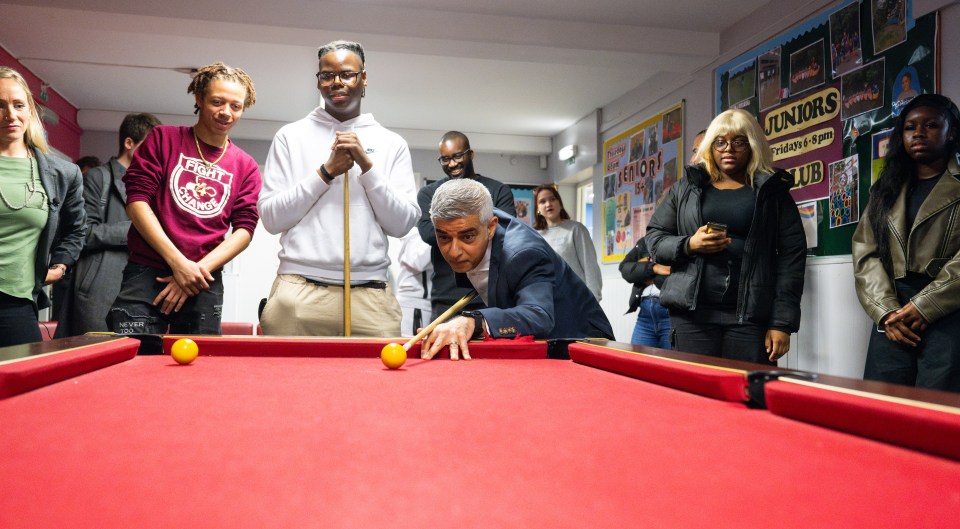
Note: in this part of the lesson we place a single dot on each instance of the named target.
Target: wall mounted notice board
(639, 165)
(827, 93)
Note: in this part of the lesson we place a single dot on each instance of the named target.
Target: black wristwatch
(477, 323)
(327, 179)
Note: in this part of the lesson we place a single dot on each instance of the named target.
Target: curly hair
(899, 169)
(218, 70)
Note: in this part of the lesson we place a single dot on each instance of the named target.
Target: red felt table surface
(343, 442)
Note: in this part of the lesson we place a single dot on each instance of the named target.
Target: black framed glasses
(738, 145)
(346, 77)
(457, 157)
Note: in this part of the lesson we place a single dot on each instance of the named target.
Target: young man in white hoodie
(302, 199)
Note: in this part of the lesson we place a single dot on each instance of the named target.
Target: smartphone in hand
(716, 226)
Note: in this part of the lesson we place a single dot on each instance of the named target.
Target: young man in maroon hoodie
(186, 187)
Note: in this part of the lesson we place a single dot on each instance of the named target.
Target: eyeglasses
(457, 157)
(347, 78)
(737, 145)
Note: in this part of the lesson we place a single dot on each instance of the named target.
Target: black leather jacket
(771, 279)
(634, 270)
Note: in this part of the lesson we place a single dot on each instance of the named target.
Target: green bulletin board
(827, 92)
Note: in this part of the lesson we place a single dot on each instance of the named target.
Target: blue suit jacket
(532, 291)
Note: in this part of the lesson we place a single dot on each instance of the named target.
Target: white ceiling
(520, 70)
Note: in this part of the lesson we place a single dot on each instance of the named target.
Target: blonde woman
(731, 234)
(41, 204)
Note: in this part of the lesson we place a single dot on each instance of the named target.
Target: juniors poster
(828, 89)
(639, 166)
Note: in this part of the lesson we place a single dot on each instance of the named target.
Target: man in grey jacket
(97, 275)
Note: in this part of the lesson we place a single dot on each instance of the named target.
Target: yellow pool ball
(393, 355)
(184, 351)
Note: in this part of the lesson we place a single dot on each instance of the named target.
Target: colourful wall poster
(881, 144)
(742, 83)
(523, 203)
(808, 217)
(845, 51)
(862, 90)
(609, 226)
(889, 21)
(905, 88)
(807, 68)
(639, 167)
(770, 91)
(844, 192)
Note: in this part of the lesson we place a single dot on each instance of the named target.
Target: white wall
(834, 329)
(507, 168)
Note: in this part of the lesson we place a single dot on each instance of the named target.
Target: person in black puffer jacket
(653, 321)
(731, 233)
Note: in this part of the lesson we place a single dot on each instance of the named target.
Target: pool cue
(346, 253)
(440, 319)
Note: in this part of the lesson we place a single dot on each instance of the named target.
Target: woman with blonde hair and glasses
(41, 203)
(731, 234)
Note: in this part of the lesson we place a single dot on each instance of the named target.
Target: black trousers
(134, 312)
(715, 332)
(18, 321)
(935, 361)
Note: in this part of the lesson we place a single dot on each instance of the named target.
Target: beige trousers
(297, 307)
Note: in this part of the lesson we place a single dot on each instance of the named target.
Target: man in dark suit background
(527, 288)
(456, 160)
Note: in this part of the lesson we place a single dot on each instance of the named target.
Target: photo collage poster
(640, 165)
(823, 90)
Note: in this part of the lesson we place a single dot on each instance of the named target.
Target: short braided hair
(218, 70)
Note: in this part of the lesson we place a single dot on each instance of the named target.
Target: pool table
(297, 432)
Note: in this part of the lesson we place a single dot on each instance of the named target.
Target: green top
(23, 214)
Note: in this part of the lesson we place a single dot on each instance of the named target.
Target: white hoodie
(309, 213)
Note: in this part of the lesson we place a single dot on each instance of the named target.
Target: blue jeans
(653, 324)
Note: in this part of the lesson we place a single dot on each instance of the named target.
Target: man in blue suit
(528, 289)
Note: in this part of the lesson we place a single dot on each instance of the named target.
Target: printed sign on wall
(640, 165)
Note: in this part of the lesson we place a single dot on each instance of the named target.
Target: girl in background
(906, 251)
(567, 237)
